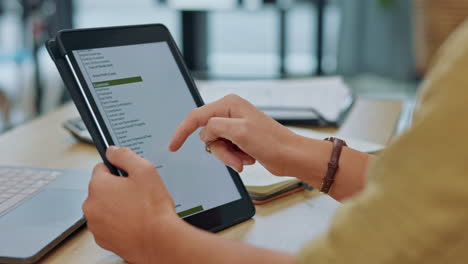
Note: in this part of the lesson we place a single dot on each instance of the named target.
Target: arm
(189, 245)
(257, 137)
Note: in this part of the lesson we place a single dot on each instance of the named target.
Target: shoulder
(446, 82)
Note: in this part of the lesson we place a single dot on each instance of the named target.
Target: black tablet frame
(214, 219)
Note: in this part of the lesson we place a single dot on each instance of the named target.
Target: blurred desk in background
(43, 142)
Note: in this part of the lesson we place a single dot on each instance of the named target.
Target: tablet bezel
(214, 219)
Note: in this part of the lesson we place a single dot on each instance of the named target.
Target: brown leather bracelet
(333, 166)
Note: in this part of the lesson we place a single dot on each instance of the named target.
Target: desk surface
(278, 225)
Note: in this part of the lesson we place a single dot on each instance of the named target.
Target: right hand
(247, 135)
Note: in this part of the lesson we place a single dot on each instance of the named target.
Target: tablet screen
(142, 97)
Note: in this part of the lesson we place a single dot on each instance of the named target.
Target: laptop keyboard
(18, 184)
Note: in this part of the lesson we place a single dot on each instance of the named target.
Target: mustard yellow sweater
(415, 206)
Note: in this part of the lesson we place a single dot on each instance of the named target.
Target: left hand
(129, 216)
(239, 134)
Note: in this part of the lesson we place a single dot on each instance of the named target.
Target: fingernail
(113, 148)
(239, 170)
(232, 168)
(203, 136)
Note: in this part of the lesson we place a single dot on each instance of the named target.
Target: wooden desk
(284, 224)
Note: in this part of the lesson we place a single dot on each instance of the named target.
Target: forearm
(309, 161)
(190, 245)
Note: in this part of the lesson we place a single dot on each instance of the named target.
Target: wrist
(308, 159)
(163, 235)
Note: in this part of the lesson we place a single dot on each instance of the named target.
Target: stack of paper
(324, 99)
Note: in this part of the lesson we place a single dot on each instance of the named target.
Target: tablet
(132, 90)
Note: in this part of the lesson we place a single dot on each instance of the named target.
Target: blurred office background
(381, 47)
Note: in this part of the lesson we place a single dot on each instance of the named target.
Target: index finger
(197, 118)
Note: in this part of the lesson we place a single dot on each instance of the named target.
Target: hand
(129, 215)
(247, 135)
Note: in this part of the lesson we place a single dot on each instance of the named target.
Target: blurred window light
(91, 13)
(243, 44)
(300, 42)
(331, 38)
(202, 4)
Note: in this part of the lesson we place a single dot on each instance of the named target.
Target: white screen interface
(142, 97)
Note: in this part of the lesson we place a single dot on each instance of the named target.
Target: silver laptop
(38, 209)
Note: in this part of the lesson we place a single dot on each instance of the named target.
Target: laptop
(38, 209)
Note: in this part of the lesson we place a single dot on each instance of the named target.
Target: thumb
(126, 159)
